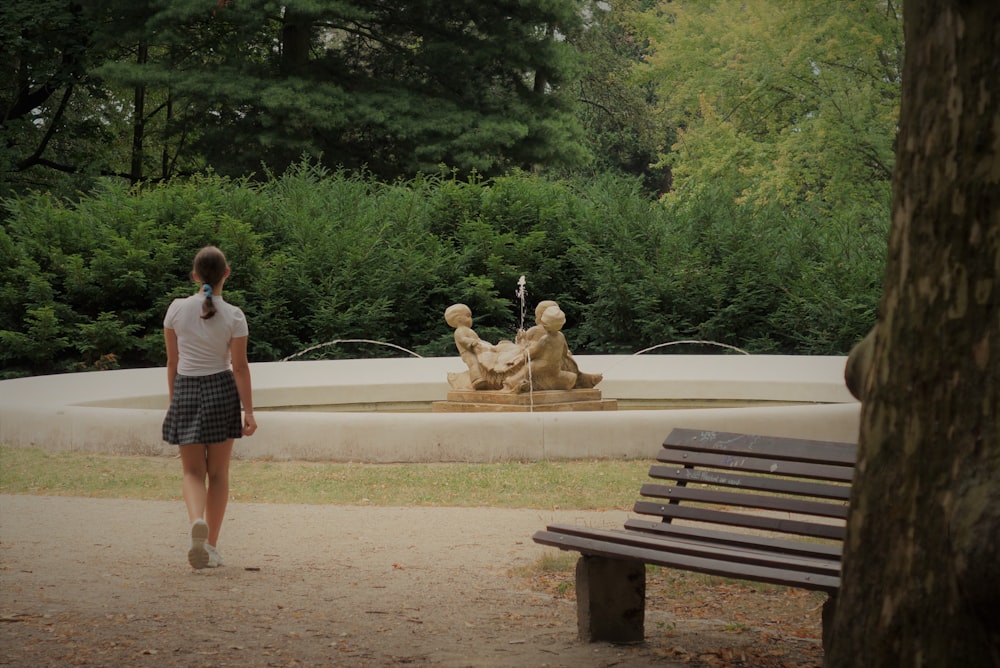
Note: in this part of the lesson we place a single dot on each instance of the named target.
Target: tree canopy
(393, 87)
(793, 102)
(764, 126)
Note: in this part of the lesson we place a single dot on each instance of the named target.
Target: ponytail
(207, 307)
(211, 267)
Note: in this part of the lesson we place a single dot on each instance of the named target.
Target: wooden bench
(735, 505)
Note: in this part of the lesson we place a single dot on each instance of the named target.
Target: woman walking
(208, 379)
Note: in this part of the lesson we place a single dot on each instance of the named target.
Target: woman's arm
(241, 372)
(170, 338)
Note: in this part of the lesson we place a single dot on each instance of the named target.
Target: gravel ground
(99, 582)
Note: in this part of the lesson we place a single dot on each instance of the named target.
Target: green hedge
(320, 256)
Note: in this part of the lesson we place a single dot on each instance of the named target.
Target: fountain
(382, 410)
(536, 371)
(379, 410)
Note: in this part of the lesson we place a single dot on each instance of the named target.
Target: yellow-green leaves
(789, 100)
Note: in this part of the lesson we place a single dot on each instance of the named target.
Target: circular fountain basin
(378, 410)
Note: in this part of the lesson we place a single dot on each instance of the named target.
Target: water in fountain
(531, 382)
(678, 343)
(337, 341)
(522, 294)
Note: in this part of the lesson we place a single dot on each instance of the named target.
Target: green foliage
(148, 91)
(319, 256)
(107, 332)
(780, 101)
(617, 108)
(768, 124)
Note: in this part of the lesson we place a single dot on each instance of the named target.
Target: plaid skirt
(204, 409)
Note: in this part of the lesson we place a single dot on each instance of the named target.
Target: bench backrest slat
(671, 511)
(783, 504)
(786, 485)
(837, 492)
(826, 452)
(742, 462)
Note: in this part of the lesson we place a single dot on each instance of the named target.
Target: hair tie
(207, 289)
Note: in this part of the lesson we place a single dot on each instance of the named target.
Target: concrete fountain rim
(120, 411)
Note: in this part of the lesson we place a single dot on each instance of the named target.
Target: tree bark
(921, 580)
(296, 40)
(139, 121)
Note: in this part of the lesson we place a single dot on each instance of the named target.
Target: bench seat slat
(733, 462)
(692, 547)
(779, 576)
(747, 521)
(822, 550)
(744, 500)
(760, 483)
(828, 452)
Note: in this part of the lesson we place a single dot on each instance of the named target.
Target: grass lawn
(584, 485)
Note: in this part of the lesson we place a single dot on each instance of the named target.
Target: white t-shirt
(203, 344)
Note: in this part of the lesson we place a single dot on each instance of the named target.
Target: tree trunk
(139, 121)
(165, 161)
(296, 41)
(921, 581)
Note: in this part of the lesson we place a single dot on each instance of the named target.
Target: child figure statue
(489, 365)
(545, 352)
(583, 380)
(469, 345)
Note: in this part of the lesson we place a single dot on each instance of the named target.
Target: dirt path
(99, 582)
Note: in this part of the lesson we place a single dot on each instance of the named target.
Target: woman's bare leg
(193, 459)
(217, 497)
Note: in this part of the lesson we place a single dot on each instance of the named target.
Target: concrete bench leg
(610, 599)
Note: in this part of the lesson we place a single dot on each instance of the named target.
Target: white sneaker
(198, 555)
(214, 556)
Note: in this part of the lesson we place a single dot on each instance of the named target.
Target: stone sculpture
(583, 380)
(539, 359)
(544, 356)
(489, 365)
